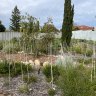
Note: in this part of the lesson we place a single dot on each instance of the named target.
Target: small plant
(31, 79)
(23, 88)
(47, 71)
(85, 61)
(89, 52)
(77, 49)
(51, 92)
(4, 66)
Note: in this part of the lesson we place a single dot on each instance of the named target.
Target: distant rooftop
(84, 27)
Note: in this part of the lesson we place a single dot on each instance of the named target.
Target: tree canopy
(15, 19)
(67, 23)
(49, 27)
(2, 27)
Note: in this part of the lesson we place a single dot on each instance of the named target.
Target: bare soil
(26, 57)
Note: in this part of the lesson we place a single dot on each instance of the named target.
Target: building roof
(84, 27)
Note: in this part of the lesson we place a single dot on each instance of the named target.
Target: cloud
(84, 10)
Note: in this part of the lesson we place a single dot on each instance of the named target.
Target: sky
(85, 11)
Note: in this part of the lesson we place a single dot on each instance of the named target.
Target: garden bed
(23, 57)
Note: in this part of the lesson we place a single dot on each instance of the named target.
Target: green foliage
(89, 52)
(15, 68)
(14, 40)
(51, 92)
(78, 49)
(67, 23)
(56, 46)
(1, 45)
(2, 28)
(82, 48)
(30, 79)
(23, 88)
(85, 61)
(49, 27)
(30, 26)
(75, 81)
(94, 85)
(15, 19)
(45, 42)
(47, 71)
(4, 67)
(11, 48)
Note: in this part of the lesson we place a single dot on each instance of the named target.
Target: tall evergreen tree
(15, 19)
(67, 23)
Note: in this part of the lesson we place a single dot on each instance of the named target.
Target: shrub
(14, 40)
(94, 85)
(77, 49)
(23, 88)
(85, 61)
(47, 71)
(49, 28)
(51, 92)
(75, 81)
(44, 43)
(31, 79)
(4, 66)
(89, 52)
(15, 68)
(11, 48)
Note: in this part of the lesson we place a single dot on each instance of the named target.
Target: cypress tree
(67, 23)
(15, 20)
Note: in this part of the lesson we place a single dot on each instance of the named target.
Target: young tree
(15, 19)
(30, 27)
(67, 23)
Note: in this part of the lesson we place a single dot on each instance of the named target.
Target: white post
(94, 58)
(51, 65)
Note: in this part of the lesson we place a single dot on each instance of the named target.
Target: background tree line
(2, 27)
(16, 20)
(17, 23)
